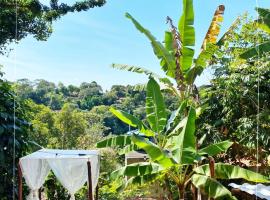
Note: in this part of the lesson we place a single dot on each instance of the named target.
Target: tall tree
(34, 18)
(12, 122)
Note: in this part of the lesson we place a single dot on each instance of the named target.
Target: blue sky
(84, 45)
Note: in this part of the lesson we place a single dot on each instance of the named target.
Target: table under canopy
(73, 168)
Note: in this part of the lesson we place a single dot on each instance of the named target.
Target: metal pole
(90, 192)
(20, 186)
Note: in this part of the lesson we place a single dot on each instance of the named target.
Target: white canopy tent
(73, 168)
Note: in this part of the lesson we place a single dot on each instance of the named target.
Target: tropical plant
(176, 55)
(233, 105)
(172, 150)
(262, 23)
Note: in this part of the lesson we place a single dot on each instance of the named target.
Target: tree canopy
(21, 18)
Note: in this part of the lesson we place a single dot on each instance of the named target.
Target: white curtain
(72, 173)
(35, 172)
(68, 166)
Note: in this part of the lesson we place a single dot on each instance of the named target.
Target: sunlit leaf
(155, 107)
(226, 171)
(211, 187)
(215, 149)
(115, 141)
(155, 153)
(167, 59)
(187, 33)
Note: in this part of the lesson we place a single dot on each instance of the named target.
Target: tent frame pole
(96, 192)
(20, 186)
(90, 191)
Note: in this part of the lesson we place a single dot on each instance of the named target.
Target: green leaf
(155, 107)
(116, 141)
(127, 149)
(226, 171)
(187, 33)
(211, 187)
(200, 63)
(132, 121)
(176, 116)
(166, 83)
(264, 19)
(141, 180)
(136, 169)
(155, 153)
(136, 69)
(184, 151)
(257, 51)
(215, 149)
(167, 60)
(169, 41)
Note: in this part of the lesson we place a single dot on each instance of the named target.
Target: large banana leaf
(136, 169)
(155, 107)
(132, 121)
(140, 180)
(184, 151)
(169, 41)
(264, 19)
(214, 28)
(127, 149)
(175, 116)
(200, 63)
(116, 141)
(257, 51)
(226, 171)
(187, 33)
(165, 82)
(215, 149)
(155, 153)
(211, 187)
(167, 60)
(135, 69)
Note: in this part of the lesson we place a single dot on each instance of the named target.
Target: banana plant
(170, 144)
(176, 53)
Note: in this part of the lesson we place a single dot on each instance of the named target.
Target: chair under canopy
(73, 168)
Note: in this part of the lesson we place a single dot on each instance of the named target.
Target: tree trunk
(181, 191)
(194, 192)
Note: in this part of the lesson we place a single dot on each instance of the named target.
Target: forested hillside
(78, 116)
(194, 136)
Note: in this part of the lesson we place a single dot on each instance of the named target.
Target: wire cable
(258, 100)
(14, 105)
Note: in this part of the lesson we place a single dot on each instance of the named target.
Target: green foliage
(167, 60)
(187, 33)
(155, 107)
(214, 149)
(34, 18)
(118, 141)
(211, 187)
(262, 23)
(226, 171)
(12, 121)
(177, 56)
(231, 100)
(183, 144)
(173, 154)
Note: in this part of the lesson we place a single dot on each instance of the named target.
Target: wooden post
(39, 193)
(90, 192)
(20, 186)
(96, 193)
